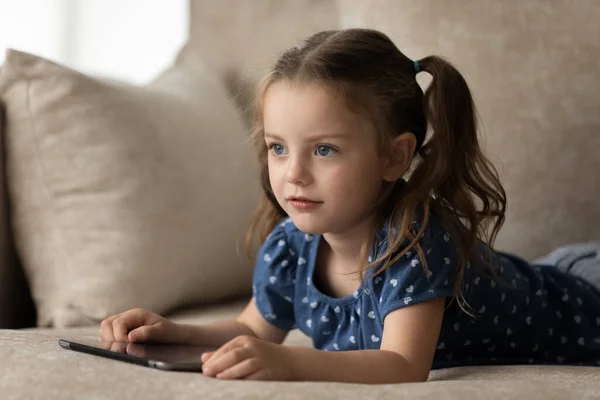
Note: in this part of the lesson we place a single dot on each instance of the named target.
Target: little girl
(375, 241)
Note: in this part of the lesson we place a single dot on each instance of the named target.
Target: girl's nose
(297, 172)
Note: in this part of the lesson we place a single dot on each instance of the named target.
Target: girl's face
(323, 159)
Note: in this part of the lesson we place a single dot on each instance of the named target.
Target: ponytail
(462, 181)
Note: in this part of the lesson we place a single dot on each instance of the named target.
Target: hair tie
(417, 69)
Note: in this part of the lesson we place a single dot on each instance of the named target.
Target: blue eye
(325, 151)
(278, 149)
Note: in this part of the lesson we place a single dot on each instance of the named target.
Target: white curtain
(129, 40)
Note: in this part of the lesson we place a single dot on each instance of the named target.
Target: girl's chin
(309, 225)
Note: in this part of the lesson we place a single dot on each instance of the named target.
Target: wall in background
(130, 40)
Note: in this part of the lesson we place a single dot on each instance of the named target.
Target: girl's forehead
(308, 108)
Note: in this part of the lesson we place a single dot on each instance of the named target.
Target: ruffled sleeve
(274, 280)
(406, 283)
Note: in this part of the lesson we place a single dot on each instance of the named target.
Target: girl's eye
(325, 151)
(277, 149)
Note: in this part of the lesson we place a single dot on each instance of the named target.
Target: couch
(116, 196)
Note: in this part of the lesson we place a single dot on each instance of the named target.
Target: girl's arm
(250, 322)
(408, 345)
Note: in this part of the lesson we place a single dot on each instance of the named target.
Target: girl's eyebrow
(317, 138)
(269, 135)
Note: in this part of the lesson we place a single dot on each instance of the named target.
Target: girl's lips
(301, 203)
(301, 198)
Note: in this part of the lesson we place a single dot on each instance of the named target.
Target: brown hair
(450, 176)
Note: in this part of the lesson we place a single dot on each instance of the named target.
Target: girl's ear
(399, 156)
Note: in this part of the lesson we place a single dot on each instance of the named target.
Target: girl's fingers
(248, 367)
(260, 375)
(126, 322)
(219, 363)
(120, 329)
(232, 344)
(106, 329)
(206, 356)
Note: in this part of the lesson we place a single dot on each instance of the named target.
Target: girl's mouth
(303, 203)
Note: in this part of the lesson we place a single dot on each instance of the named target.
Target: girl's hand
(247, 357)
(138, 325)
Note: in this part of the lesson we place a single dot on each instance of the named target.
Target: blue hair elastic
(417, 69)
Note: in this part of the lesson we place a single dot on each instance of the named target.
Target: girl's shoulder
(435, 238)
(421, 273)
(284, 248)
(274, 278)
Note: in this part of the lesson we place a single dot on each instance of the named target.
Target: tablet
(169, 357)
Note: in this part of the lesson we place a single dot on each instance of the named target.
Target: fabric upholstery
(67, 374)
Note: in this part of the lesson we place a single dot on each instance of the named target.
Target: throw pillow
(125, 196)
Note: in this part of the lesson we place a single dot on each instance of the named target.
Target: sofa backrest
(532, 67)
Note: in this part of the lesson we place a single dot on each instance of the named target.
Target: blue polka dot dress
(525, 314)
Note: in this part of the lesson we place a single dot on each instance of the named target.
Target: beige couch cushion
(125, 196)
(35, 367)
(67, 374)
(93, 374)
(533, 68)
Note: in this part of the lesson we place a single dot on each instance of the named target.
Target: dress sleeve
(274, 280)
(406, 283)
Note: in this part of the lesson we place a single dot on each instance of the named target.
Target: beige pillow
(125, 196)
